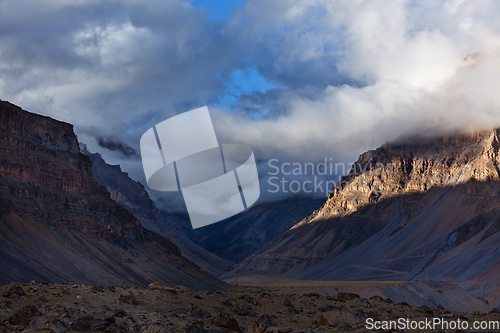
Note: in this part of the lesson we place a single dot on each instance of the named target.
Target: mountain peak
(413, 166)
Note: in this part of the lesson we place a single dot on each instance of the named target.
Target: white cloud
(413, 76)
(351, 74)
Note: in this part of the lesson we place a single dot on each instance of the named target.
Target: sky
(298, 81)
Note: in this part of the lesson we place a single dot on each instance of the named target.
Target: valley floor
(32, 307)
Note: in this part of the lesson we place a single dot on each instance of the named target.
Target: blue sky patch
(243, 82)
(218, 10)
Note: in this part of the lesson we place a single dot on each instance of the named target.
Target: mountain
(57, 224)
(216, 247)
(423, 209)
(239, 236)
(132, 195)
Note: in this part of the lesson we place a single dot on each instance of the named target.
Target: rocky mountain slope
(214, 248)
(132, 195)
(239, 236)
(423, 209)
(58, 225)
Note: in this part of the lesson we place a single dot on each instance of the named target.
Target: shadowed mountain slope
(427, 209)
(58, 225)
(132, 195)
(241, 235)
(234, 238)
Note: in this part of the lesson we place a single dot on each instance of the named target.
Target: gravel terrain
(35, 307)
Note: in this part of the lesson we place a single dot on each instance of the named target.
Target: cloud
(341, 77)
(413, 67)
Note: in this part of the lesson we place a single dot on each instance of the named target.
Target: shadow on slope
(446, 234)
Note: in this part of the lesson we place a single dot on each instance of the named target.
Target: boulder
(13, 289)
(227, 321)
(241, 309)
(128, 298)
(261, 324)
(24, 315)
(347, 296)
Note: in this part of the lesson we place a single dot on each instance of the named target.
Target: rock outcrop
(58, 225)
(44, 175)
(413, 166)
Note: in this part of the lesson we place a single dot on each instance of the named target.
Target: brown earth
(83, 308)
(415, 293)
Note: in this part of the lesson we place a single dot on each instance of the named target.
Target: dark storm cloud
(113, 144)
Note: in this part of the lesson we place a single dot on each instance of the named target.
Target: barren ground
(34, 307)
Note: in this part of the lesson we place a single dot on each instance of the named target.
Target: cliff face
(424, 209)
(43, 174)
(132, 195)
(59, 225)
(414, 166)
